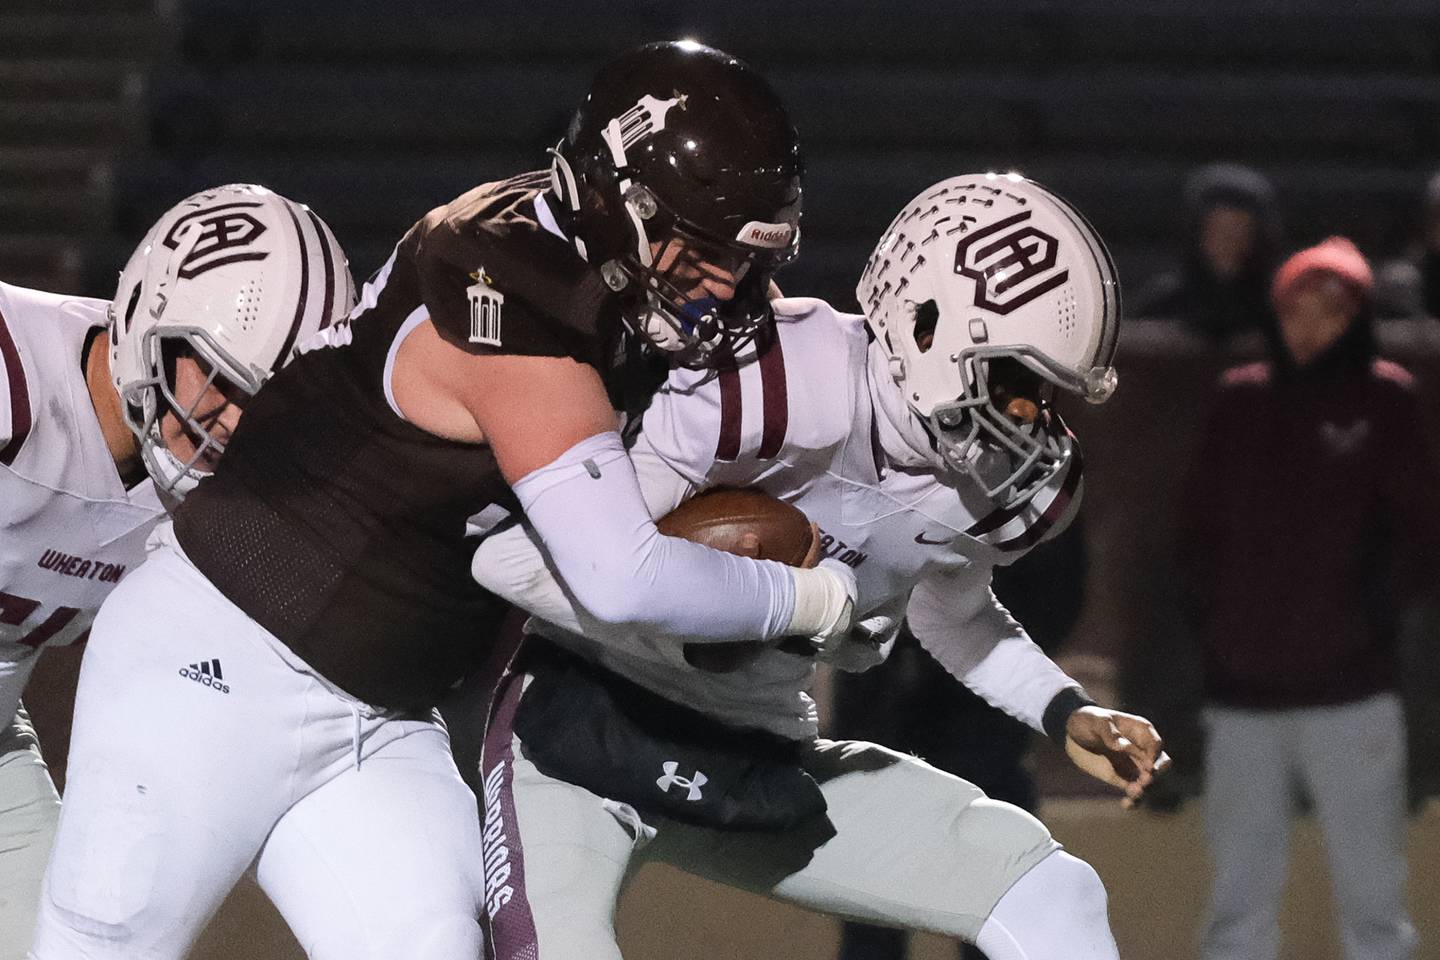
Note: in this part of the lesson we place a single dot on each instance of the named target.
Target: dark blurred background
(374, 112)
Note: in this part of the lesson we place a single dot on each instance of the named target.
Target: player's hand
(1117, 748)
(867, 644)
(813, 555)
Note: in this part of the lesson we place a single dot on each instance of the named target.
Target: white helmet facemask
(157, 395)
(985, 295)
(234, 278)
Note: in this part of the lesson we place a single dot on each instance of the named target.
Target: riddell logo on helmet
(772, 236)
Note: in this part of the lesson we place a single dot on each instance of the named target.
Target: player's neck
(119, 440)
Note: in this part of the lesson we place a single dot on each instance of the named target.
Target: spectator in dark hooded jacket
(1311, 519)
(1409, 286)
(1233, 240)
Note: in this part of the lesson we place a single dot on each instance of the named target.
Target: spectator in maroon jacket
(1311, 520)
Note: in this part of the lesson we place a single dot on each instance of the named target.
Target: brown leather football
(720, 519)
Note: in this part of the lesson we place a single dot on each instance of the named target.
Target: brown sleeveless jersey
(340, 527)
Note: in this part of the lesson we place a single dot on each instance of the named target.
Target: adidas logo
(206, 672)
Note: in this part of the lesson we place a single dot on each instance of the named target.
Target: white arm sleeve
(588, 510)
(512, 565)
(957, 618)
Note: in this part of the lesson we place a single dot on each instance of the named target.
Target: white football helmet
(978, 274)
(238, 275)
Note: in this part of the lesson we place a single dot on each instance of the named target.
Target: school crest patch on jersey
(485, 308)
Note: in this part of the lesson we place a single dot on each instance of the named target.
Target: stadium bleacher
(373, 114)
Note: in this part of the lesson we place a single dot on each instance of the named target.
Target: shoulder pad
(41, 335)
(493, 279)
(794, 396)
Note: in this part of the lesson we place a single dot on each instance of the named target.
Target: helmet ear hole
(927, 318)
(130, 310)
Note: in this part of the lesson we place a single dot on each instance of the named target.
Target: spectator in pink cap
(1311, 522)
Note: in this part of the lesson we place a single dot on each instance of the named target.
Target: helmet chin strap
(658, 329)
(170, 475)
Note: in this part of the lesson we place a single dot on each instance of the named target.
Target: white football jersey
(798, 424)
(70, 528)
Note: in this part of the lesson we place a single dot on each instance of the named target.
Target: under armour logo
(672, 779)
(227, 232)
(1011, 269)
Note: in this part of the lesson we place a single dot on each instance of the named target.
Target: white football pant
(200, 746)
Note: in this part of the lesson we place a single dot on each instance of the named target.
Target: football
(722, 519)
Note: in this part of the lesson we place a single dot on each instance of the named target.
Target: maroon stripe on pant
(20, 419)
(777, 400)
(508, 921)
(728, 446)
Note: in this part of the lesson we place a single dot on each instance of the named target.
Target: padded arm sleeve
(588, 510)
(511, 564)
(957, 618)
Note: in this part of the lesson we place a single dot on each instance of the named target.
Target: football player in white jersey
(921, 439)
(109, 411)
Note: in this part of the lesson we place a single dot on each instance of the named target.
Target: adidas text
(207, 673)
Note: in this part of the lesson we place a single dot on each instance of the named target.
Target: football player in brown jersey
(325, 563)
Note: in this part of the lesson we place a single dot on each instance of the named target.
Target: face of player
(1317, 310)
(1227, 239)
(214, 406)
(1015, 390)
(692, 274)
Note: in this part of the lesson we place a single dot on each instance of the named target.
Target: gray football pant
(1350, 760)
(914, 847)
(29, 812)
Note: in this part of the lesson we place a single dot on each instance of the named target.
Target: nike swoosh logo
(921, 538)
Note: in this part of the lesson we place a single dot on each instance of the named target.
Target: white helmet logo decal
(225, 231)
(1011, 263)
(647, 117)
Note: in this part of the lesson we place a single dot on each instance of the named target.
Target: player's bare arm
(529, 410)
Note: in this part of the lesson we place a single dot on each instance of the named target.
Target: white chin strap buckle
(660, 332)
